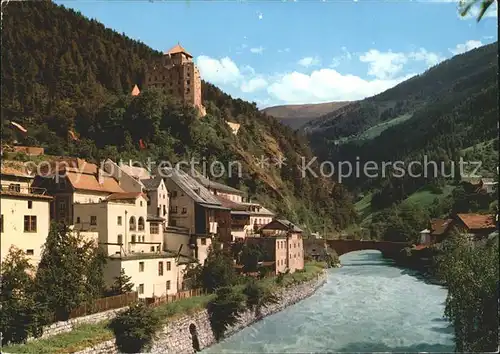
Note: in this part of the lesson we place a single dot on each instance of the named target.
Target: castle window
(188, 82)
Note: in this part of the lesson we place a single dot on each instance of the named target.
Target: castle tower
(176, 74)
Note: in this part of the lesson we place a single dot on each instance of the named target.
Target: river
(368, 305)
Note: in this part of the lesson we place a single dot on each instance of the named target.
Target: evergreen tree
(122, 284)
(62, 276)
(19, 317)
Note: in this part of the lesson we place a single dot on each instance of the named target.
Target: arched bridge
(387, 248)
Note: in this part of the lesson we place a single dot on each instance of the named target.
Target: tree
(19, 317)
(250, 257)
(471, 275)
(135, 328)
(122, 284)
(258, 296)
(218, 270)
(465, 7)
(224, 309)
(62, 276)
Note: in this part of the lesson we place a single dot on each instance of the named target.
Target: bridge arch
(385, 247)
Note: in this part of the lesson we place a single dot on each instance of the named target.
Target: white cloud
(385, 70)
(257, 50)
(309, 61)
(383, 65)
(219, 71)
(254, 84)
(430, 58)
(326, 85)
(286, 50)
(465, 47)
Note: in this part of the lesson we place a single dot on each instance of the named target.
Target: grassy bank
(92, 334)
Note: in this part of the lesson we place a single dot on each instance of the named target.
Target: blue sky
(286, 52)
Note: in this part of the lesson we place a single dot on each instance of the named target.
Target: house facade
(133, 240)
(25, 213)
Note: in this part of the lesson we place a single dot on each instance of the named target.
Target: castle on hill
(176, 74)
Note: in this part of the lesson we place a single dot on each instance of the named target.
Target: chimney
(99, 176)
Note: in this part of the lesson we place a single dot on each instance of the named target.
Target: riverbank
(97, 338)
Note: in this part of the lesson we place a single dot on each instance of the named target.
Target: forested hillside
(449, 112)
(62, 72)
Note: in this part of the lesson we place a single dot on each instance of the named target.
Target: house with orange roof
(476, 226)
(25, 212)
(74, 181)
(176, 74)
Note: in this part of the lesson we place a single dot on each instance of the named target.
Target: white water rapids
(368, 305)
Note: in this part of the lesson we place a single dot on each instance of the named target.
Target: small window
(169, 266)
(160, 268)
(30, 223)
(78, 220)
(30, 204)
(203, 241)
(141, 266)
(152, 249)
(154, 228)
(119, 239)
(184, 210)
(132, 239)
(119, 220)
(30, 252)
(140, 202)
(93, 220)
(141, 289)
(168, 285)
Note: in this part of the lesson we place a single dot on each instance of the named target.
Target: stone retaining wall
(67, 326)
(176, 338)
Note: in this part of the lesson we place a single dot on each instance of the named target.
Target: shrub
(224, 309)
(135, 328)
(258, 296)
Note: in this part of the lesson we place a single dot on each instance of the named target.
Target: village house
(193, 208)
(283, 244)
(74, 181)
(133, 241)
(475, 226)
(138, 179)
(438, 231)
(25, 212)
(259, 216)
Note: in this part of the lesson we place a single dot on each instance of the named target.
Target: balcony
(17, 188)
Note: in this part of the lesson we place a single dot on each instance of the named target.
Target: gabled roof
(477, 221)
(215, 185)
(15, 169)
(135, 171)
(82, 181)
(281, 224)
(189, 186)
(151, 184)
(176, 49)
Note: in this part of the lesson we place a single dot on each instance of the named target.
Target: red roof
(477, 221)
(420, 247)
(178, 49)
